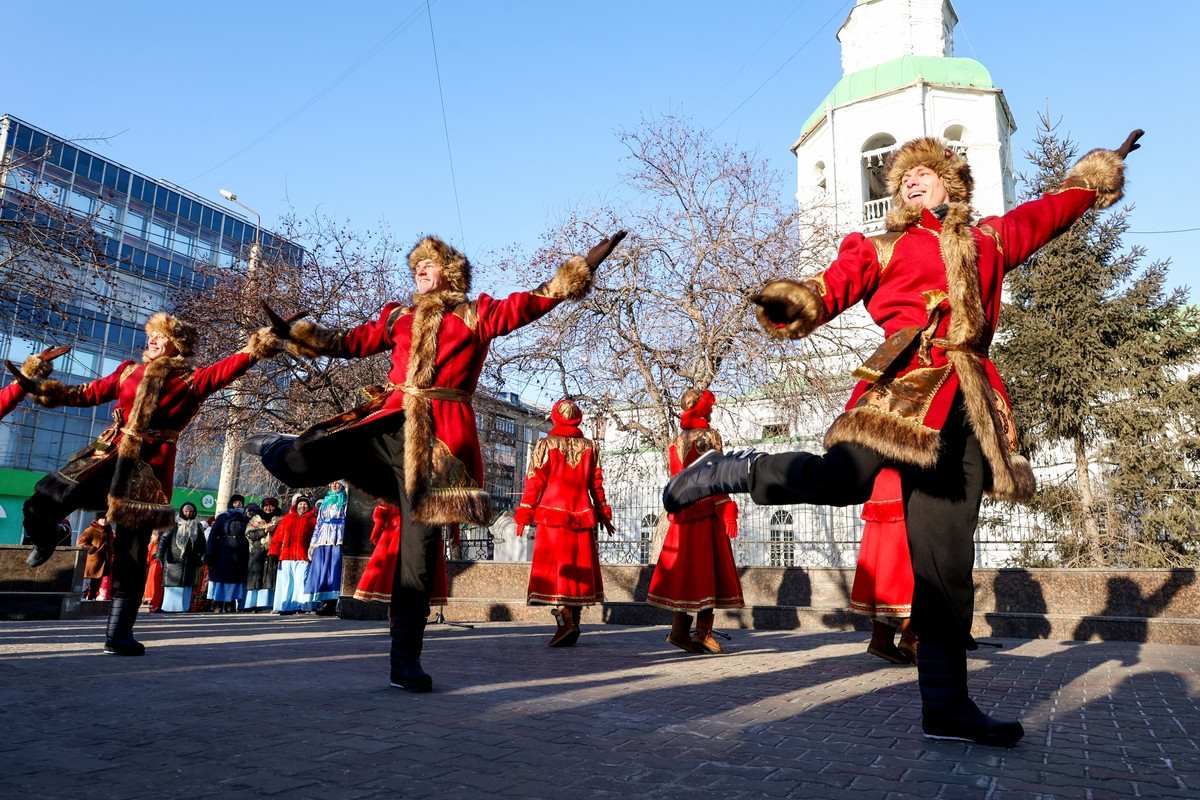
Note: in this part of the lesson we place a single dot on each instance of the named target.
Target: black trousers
(49, 505)
(370, 457)
(941, 509)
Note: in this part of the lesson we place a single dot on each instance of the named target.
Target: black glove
(1130, 144)
(279, 326)
(595, 257)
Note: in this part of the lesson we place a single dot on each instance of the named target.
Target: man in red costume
(929, 403)
(415, 444)
(129, 470)
(564, 497)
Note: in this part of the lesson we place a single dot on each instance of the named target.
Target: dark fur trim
(895, 437)
(1102, 171)
(36, 368)
(572, 281)
(140, 514)
(51, 393)
(960, 255)
(902, 216)
(447, 506)
(181, 334)
(454, 264)
(936, 154)
(263, 343)
(1012, 478)
(419, 433)
(309, 339)
(789, 309)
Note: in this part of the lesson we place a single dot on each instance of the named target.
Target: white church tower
(901, 80)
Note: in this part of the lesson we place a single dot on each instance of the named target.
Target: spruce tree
(1097, 352)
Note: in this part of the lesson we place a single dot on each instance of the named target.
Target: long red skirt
(695, 570)
(883, 580)
(153, 596)
(375, 585)
(565, 569)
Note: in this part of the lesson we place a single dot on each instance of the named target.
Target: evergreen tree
(1096, 352)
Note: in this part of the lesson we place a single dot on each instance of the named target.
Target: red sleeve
(727, 512)
(98, 392)
(676, 458)
(599, 501)
(535, 484)
(10, 396)
(371, 337)
(207, 380)
(277, 539)
(852, 276)
(1031, 225)
(500, 317)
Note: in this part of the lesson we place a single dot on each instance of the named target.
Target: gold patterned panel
(908, 396)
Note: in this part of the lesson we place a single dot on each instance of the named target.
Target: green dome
(899, 72)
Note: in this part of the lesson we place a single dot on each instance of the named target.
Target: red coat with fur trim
(934, 287)
(453, 469)
(183, 391)
(564, 485)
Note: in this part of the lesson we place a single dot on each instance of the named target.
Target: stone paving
(241, 706)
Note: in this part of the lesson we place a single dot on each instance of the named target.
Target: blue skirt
(324, 580)
(226, 592)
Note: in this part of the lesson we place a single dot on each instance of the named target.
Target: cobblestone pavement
(242, 706)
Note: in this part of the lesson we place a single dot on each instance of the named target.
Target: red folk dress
(564, 497)
(696, 570)
(153, 596)
(375, 585)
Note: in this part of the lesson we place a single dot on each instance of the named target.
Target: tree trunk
(1091, 529)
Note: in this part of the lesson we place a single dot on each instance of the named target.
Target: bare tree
(344, 279)
(709, 224)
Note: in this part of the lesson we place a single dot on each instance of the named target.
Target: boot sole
(948, 737)
(420, 687)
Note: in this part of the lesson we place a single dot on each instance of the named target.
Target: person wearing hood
(181, 551)
(324, 580)
(696, 573)
(261, 567)
(97, 538)
(929, 427)
(130, 469)
(415, 443)
(289, 544)
(564, 498)
(227, 554)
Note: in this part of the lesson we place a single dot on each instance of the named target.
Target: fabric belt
(158, 436)
(949, 346)
(433, 392)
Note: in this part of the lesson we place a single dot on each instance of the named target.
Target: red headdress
(697, 408)
(567, 418)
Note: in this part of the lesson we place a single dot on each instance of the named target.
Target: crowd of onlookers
(252, 557)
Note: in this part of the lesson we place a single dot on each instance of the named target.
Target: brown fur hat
(182, 335)
(936, 154)
(454, 264)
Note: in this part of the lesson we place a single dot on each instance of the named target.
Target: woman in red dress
(883, 580)
(564, 498)
(375, 585)
(153, 596)
(696, 572)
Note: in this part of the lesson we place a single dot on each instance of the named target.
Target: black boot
(712, 473)
(118, 640)
(408, 636)
(946, 710)
(260, 444)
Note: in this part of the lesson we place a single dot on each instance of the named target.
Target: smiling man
(415, 444)
(930, 416)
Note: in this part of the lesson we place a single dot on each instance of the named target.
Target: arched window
(958, 137)
(876, 197)
(646, 529)
(818, 178)
(783, 539)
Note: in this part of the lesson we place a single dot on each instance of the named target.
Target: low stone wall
(1160, 606)
(49, 592)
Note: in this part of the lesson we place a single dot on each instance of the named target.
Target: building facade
(139, 241)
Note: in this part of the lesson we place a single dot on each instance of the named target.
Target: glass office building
(147, 236)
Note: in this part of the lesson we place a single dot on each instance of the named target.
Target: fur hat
(936, 154)
(182, 335)
(454, 264)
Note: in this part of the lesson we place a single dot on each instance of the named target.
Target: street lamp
(232, 448)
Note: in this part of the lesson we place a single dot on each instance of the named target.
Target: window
(506, 425)
(783, 540)
(646, 529)
(776, 431)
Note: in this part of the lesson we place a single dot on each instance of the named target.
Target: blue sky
(335, 107)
